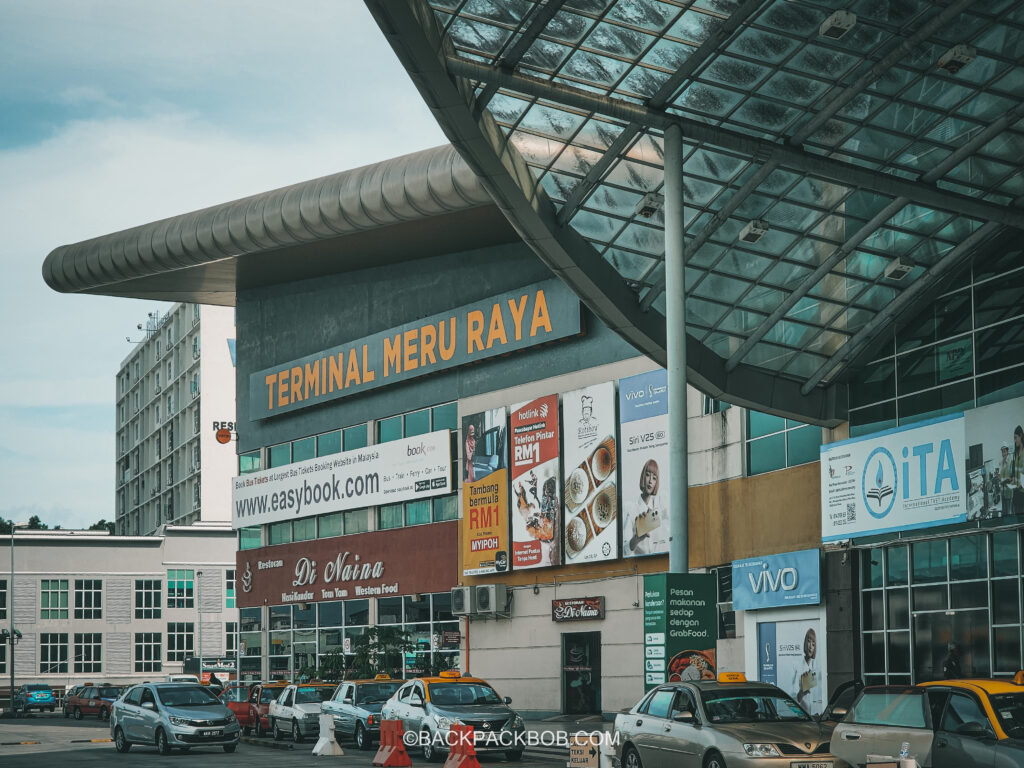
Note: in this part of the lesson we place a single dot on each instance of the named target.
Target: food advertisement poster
(898, 480)
(536, 483)
(995, 460)
(485, 541)
(680, 627)
(788, 657)
(590, 464)
(643, 432)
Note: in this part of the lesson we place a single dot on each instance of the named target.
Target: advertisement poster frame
(644, 461)
(484, 473)
(680, 627)
(535, 508)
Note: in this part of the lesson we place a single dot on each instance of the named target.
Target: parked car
(236, 698)
(92, 700)
(947, 724)
(356, 706)
(261, 696)
(714, 723)
(71, 691)
(33, 696)
(170, 716)
(297, 710)
(429, 706)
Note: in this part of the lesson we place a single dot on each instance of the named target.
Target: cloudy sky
(120, 113)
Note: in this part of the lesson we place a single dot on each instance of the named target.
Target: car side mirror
(415, 701)
(684, 717)
(149, 705)
(974, 730)
(347, 700)
(835, 713)
(507, 699)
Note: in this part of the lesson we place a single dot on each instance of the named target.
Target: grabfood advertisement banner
(643, 432)
(590, 463)
(896, 480)
(536, 482)
(485, 493)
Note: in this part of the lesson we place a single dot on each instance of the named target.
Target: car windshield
(109, 692)
(462, 694)
(752, 705)
(313, 695)
(235, 693)
(185, 696)
(268, 695)
(372, 693)
(1009, 709)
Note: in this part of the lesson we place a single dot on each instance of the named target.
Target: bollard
(391, 751)
(461, 749)
(326, 744)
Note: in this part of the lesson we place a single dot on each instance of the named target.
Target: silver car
(710, 724)
(172, 716)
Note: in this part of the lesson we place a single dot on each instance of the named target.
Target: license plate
(812, 764)
(221, 733)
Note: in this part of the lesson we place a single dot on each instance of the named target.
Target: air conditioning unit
(899, 268)
(489, 599)
(956, 58)
(837, 25)
(754, 230)
(462, 601)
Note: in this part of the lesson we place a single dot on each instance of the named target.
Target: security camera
(17, 634)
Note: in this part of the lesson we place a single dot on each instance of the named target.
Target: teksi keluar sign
(497, 325)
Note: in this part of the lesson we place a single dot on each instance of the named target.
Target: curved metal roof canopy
(831, 147)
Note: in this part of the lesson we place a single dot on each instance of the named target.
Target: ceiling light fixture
(956, 58)
(754, 231)
(899, 268)
(649, 205)
(837, 25)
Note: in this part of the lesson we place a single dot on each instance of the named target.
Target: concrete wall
(216, 404)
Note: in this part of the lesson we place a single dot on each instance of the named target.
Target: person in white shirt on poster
(647, 528)
(805, 676)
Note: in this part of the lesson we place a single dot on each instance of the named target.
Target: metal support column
(675, 347)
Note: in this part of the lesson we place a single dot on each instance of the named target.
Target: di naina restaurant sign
(511, 321)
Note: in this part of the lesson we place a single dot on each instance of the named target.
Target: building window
(3, 659)
(53, 652)
(249, 538)
(231, 637)
(229, 588)
(711, 405)
(88, 599)
(249, 462)
(54, 601)
(3, 598)
(195, 421)
(180, 640)
(776, 443)
(88, 652)
(147, 598)
(280, 533)
(180, 590)
(148, 652)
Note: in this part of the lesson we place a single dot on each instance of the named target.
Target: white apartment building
(175, 392)
(118, 609)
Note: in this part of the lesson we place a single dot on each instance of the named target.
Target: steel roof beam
(789, 156)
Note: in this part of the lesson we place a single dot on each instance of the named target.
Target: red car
(260, 696)
(236, 698)
(92, 700)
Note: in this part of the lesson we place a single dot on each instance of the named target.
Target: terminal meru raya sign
(515, 320)
(680, 627)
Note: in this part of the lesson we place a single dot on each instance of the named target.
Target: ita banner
(485, 538)
(536, 481)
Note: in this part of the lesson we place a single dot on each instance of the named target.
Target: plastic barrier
(462, 751)
(391, 752)
(326, 744)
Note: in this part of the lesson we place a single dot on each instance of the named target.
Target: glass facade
(918, 597)
(776, 443)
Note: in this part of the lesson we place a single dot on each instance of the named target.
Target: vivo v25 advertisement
(590, 462)
(787, 656)
(536, 482)
(680, 627)
(485, 543)
(897, 480)
(643, 432)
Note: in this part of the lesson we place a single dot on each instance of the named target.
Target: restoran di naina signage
(500, 324)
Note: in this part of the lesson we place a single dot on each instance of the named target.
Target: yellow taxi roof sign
(450, 673)
(1018, 679)
(382, 677)
(732, 677)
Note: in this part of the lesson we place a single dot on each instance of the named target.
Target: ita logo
(878, 483)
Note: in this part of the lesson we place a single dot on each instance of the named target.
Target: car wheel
(161, 742)
(246, 730)
(430, 753)
(257, 727)
(67, 714)
(714, 760)
(296, 732)
(514, 755)
(53, 707)
(362, 740)
(104, 713)
(121, 744)
(631, 758)
(276, 728)
(229, 748)
(78, 713)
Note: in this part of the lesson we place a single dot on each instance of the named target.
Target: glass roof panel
(618, 41)
(712, 165)
(548, 121)
(615, 200)
(769, 356)
(649, 15)
(816, 61)
(477, 36)
(638, 237)
(704, 313)
(708, 99)
(631, 266)
(877, 297)
(762, 298)
(537, 150)
(598, 134)
(786, 275)
(852, 319)
(594, 226)
(598, 70)
(813, 311)
(635, 175)
(793, 89)
(761, 45)
(736, 73)
(545, 55)
(722, 344)
(568, 27)
(828, 342)
(706, 255)
(741, 321)
(791, 334)
(720, 287)
(804, 365)
(694, 26)
(737, 262)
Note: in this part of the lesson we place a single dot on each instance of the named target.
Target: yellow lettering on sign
(497, 330)
(474, 331)
(352, 374)
(393, 355)
(282, 388)
(337, 371)
(410, 349)
(270, 390)
(368, 375)
(541, 318)
(518, 310)
(296, 393)
(313, 379)
(447, 350)
(428, 338)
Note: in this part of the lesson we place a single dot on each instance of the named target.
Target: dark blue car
(356, 708)
(34, 696)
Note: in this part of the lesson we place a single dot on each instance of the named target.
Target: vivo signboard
(897, 480)
(776, 581)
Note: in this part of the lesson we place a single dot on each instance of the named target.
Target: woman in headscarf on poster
(647, 529)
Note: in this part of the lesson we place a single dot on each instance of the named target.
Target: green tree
(102, 525)
(35, 524)
(381, 650)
